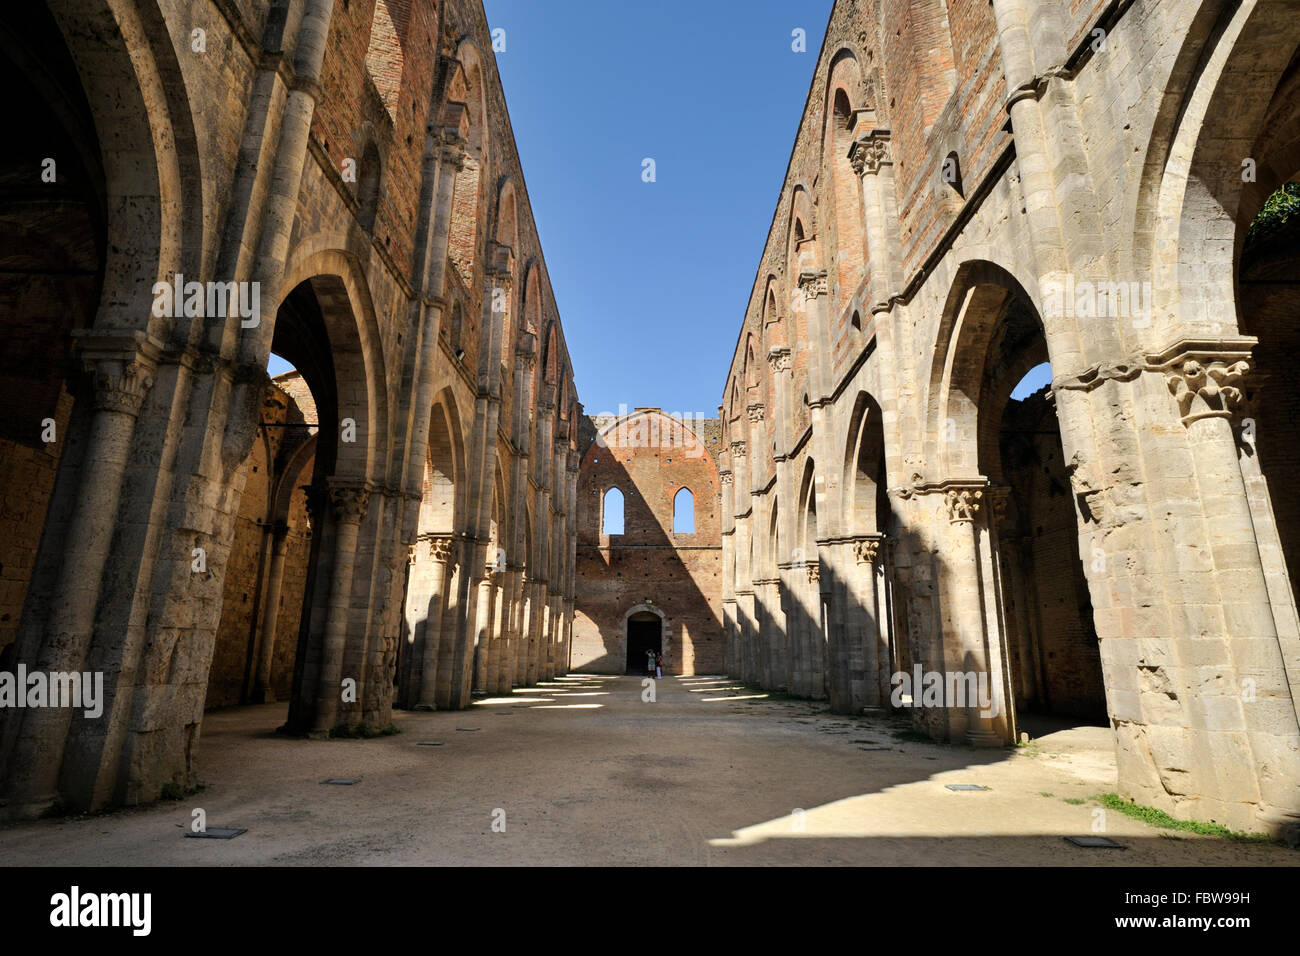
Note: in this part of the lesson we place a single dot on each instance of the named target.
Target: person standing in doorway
(659, 666)
(650, 662)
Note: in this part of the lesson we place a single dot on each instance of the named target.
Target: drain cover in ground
(219, 833)
(964, 786)
(429, 743)
(1096, 843)
(341, 781)
(467, 728)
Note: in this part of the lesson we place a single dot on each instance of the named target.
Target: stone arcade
(391, 517)
(1122, 546)
(417, 512)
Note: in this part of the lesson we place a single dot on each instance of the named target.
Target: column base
(983, 738)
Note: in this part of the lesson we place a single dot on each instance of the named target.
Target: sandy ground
(582, 771)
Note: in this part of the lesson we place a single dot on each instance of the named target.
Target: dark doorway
(644, 633)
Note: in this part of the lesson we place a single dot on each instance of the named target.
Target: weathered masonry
(334, 183)
(978, 188)
(649, 559)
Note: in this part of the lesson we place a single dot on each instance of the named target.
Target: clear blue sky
(652, 279)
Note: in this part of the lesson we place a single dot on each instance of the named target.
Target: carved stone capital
(738, 448)
(962, 505)
(778, 360)
(813, 283)
(1206, 390)
(440, 548)
(119, 367)
(866, 551)
(726, 477)
(349, 500)
(756, 411)
(814, 570)
(119, 386)
(868, 153)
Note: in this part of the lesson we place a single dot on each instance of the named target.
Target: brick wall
(680, 574)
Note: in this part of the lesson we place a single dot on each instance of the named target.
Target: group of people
(654, 663)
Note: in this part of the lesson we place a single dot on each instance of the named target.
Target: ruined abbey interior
(420, 515)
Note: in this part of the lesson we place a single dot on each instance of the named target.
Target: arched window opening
(684, 512)
(843, 111)
(612, 512)
(1035, 379)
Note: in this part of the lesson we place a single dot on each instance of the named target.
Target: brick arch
(866, 508)
(840, 128)
(531, 314)
(773, 538)
(465, 106)
(807, 515)
(774, 331)
(442, 505)
(802, 248)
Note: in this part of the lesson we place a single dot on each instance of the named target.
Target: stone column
(731, 649)
(457, 591)
(964, 649)
(779, 364)
(869, 651)
(1254, 716)
(536, 613)
(348, 500)
(871, 160)
(120, 371)
(483, 630)
(440, 551)
(263, 693)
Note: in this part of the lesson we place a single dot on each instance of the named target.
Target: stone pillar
(730, 635)
(868, 655)
(120, 371)
(263, 693)
(870, 157)
(483, 630)
(537, 611)
(965, 650)
(348, 500)
(1251, 722)
(440, 552)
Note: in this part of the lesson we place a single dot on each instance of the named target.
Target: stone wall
(649, 568)
(1057, 182)
(325, 154)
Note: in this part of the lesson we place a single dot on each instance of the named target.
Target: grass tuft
(1158, 818)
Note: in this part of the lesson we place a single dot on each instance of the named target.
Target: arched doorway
(644, 633)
